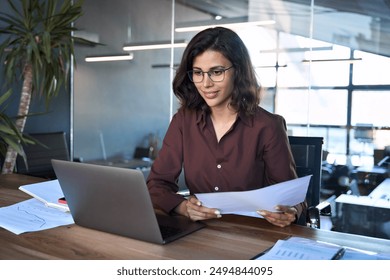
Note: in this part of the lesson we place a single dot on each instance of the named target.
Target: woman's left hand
(284, 217)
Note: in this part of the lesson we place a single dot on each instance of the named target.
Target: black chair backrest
(307, 153)
(39, 156)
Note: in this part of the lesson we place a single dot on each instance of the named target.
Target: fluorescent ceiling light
(348, 60)
(228, 23)
(287, 50)
(271, 66)
(101, 58)
(154, 45)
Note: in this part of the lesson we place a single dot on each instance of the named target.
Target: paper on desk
(291, 192)
(32, 215)
(48, 192)
(298, 248)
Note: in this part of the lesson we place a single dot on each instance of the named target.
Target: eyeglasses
(216, 74)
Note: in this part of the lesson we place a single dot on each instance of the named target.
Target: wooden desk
(14, 181)
(232, 237)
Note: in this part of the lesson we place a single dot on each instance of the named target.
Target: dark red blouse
(254, 153)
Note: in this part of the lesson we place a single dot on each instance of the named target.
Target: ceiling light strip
(227, 25)
(102, 58)
(154, 46)
(348, 60)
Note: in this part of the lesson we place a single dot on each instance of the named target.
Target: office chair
(307, 153)
(50, 145)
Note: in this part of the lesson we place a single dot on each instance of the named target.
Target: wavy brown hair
(246, 91)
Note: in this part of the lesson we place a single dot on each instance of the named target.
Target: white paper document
(248, 202)
(32, 215)
(297, 248)
(47, 192)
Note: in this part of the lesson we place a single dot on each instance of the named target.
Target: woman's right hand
(193, 209)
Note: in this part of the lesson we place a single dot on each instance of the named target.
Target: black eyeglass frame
(190, 74)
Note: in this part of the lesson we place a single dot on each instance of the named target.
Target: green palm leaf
(39, 43)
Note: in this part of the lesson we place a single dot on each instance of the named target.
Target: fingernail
(277, 208)
(199, 203)
(217, 212)
(262, 213)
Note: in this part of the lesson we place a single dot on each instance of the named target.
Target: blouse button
(219, 166)
(216, 188)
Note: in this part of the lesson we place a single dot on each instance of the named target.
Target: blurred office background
(323, 65)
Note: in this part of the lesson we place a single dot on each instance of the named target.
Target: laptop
(117, 200)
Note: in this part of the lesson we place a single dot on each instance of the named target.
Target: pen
(339, 254)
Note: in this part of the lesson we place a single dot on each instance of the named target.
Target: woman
(220, 136)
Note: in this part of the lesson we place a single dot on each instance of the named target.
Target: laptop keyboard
(167, 231)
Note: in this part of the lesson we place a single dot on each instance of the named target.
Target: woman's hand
(284, 217)
(193, 209)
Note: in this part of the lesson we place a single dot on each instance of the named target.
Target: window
(319, 107)
(371, 107)
(371, 70)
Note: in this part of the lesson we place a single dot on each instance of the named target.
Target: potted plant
(9, 133)
(37, 53)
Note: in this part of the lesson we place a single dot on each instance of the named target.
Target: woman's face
(217, 95)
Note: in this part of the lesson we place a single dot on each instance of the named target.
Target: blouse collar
(201, 118)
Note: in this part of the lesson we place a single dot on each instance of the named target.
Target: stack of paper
(38, 213)
(47, 192)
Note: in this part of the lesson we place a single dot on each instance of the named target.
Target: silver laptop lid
(109, 199)
(117, 200)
